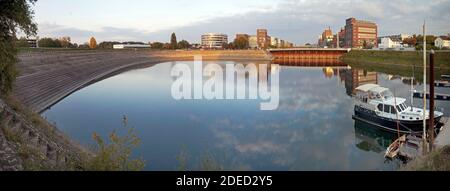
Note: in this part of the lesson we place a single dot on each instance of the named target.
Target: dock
(437, 96)
(412, 146)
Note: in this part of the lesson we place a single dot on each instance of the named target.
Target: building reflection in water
(354, 78)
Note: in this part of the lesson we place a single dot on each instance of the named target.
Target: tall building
(360, 34)
(214, 40)
(326, 39)
(263, 38)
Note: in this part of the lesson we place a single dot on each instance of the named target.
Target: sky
(298, 21)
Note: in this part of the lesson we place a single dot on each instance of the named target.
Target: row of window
(387, 109)
(391, 109)
(367, 30)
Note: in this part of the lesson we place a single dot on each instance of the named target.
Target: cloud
(302, 21)
(82, 35)
(298, 21)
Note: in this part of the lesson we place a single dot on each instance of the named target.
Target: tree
(231, 46)
(410, 41)
(92, 43)
(157, 45)
(14, 15)
(225, 45)
(49, 43)
(183, 44)
(167, 46)
(173, 41)
(22, 43)
(241, 43)
(65, 42)
(107, 45)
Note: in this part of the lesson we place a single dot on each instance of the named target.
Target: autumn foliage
(92, 43)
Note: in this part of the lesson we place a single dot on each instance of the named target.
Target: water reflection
(370, 138)
(311, 130)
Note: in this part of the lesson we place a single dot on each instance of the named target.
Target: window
(399, 108)
(393, 111)
(380, 107)
(386, 109)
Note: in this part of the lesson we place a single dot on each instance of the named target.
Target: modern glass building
(214, 40)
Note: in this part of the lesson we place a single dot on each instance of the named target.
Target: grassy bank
(37, 145)
(408, 58)
(438, 160)
(397, 62)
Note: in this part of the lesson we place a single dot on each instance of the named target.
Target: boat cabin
(382, 101)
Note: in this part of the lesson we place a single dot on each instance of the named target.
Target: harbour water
(311, 130)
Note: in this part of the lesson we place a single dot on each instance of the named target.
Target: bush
(115, 154)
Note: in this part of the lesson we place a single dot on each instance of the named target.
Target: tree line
(417, 41)
(65, 42)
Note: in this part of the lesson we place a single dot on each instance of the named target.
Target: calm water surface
(311, 130)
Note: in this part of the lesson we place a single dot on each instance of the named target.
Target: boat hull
(388, 124)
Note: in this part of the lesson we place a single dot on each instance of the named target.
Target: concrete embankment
(27, 142)
(48, 76)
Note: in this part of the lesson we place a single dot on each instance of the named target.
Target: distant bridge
(309, 56)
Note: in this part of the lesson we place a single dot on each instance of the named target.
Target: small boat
(378, 106)
(393, 150)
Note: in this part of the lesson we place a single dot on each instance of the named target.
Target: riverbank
(404, 63)
(48, 76)
(29, 142)
(436, 161)
(407, 58)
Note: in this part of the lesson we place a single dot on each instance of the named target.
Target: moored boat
(378, 106)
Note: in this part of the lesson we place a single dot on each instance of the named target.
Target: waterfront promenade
(48, 76)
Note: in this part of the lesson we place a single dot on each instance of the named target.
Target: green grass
(407, 58)
(397, 62)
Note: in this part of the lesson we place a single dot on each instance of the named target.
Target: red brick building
(263, 38)
(360, 34)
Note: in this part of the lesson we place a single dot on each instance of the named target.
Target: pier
(309, 56)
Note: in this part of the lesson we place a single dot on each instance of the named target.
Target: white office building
(388, 43)
(214, 40)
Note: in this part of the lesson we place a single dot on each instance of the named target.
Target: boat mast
(412, 87)
(424, 136)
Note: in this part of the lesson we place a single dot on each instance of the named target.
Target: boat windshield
(387, 94)
(401, 107)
